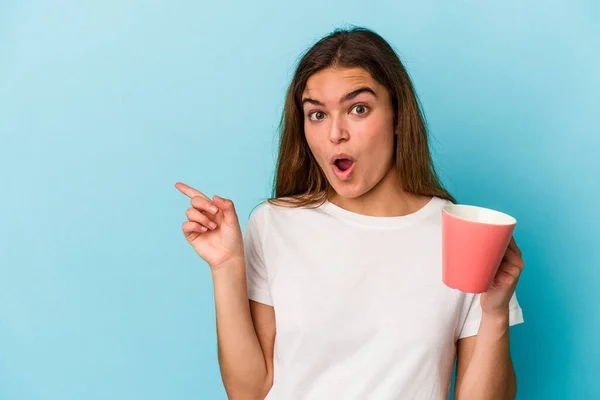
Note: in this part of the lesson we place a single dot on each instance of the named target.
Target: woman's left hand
(498, 296)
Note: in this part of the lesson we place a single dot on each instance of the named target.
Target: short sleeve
(472, 306)
(256, 271)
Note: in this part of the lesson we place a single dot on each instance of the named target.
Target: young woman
(343, 265)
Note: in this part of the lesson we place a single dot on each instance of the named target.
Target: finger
(228, 208)
(195, 215)
(510, 252)
(204, 204)
(506, 278)
(513, 246)
(190, 228)
(189, 191)
(511, 270)
(513, 258)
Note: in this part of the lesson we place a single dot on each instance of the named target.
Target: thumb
(228, 208)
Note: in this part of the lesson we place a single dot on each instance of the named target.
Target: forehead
(331, 83)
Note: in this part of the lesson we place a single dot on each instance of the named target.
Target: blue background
(105, 105)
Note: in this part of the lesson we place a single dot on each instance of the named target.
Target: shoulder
(282, 211)
(432, 211)
(284, 205)
(441, 202)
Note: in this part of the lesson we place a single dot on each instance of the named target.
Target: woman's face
(348, 123)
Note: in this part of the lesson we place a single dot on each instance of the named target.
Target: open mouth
(343, 164)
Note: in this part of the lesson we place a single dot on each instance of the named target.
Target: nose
(339, 130)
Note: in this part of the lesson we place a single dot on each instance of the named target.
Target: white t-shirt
(361, 311)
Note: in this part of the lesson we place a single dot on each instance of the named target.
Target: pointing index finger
(189, 191)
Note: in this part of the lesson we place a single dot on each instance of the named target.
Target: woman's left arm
(484, 367)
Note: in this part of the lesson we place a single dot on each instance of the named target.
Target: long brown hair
(299, 180)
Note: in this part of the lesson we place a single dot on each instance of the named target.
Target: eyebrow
(346, 97)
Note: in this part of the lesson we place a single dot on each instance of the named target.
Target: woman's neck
(386, 199)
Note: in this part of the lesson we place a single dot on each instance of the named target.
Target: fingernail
(212, 225)
(213, 209)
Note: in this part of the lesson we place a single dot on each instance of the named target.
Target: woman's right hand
(212, 228)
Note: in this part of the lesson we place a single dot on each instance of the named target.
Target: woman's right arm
(245, 329)
(245, 333)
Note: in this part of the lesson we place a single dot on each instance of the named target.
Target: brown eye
(317, 115)
(360, 109)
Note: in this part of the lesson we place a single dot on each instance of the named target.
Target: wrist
(236, 263)
(494, 325)
(499, 315)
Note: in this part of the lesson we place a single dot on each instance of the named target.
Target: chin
(349, 191)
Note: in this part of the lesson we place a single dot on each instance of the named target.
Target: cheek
(316, 144)
(378, 150)
(379, 139)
